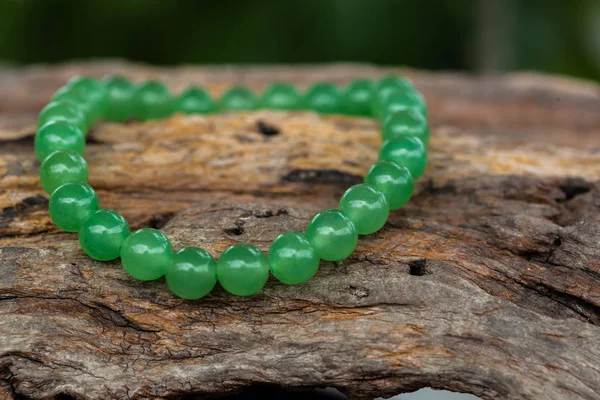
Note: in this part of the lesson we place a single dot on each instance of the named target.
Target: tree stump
(487, 282)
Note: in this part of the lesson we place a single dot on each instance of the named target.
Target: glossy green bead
(67, 95)
(120, 98)
(102, 235)
(58, 135)
(71, 204)
(280, 96)
(93, 92)
(324, 98)
(192, 274)
(332, 234)
(292, 258)
(409, 151)
(152, 100)
(383, 88)
(366, 206)
(146, 254)
(393, 180)
(195, 100)
(61, 167)
(391, 83)
(242, 270)
(91, 89)
(403, 99)
(62, 111)
(405, 122)
(357, 97)
(238, 98)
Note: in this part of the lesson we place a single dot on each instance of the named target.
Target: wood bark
(488, 282)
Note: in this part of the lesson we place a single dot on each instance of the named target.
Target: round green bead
(403, 99)
(58, 135)
(195, 100)
(146, 254)
(409, 151)
(280, 96)
(238, 98)
(357, 97)
(66, 95)
(242, 269)
(192, 274)
(61, 167)
(71, 204)
(120, 98)
(391, 83)
(332, 234)
(62, 111)
(102, 235)
(393, 180)
(405, 122)
(323, 98)
(93, 92)
(152, 100)
(367, 207)
(292, 258)
(383, 88)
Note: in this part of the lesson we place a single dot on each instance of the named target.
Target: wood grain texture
(488, 282)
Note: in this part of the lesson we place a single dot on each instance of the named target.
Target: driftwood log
(488, 282)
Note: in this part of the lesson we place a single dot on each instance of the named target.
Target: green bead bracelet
(242, 269)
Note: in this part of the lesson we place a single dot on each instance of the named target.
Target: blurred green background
(558, 36)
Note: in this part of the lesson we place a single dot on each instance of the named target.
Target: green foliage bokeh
(549, 35)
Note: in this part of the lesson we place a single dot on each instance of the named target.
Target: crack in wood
(322, 176)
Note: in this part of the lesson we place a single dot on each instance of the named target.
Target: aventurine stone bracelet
(242, 269)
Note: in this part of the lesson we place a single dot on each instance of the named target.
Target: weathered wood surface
(488, 282)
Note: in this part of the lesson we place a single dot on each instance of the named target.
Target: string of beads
(242, 269)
